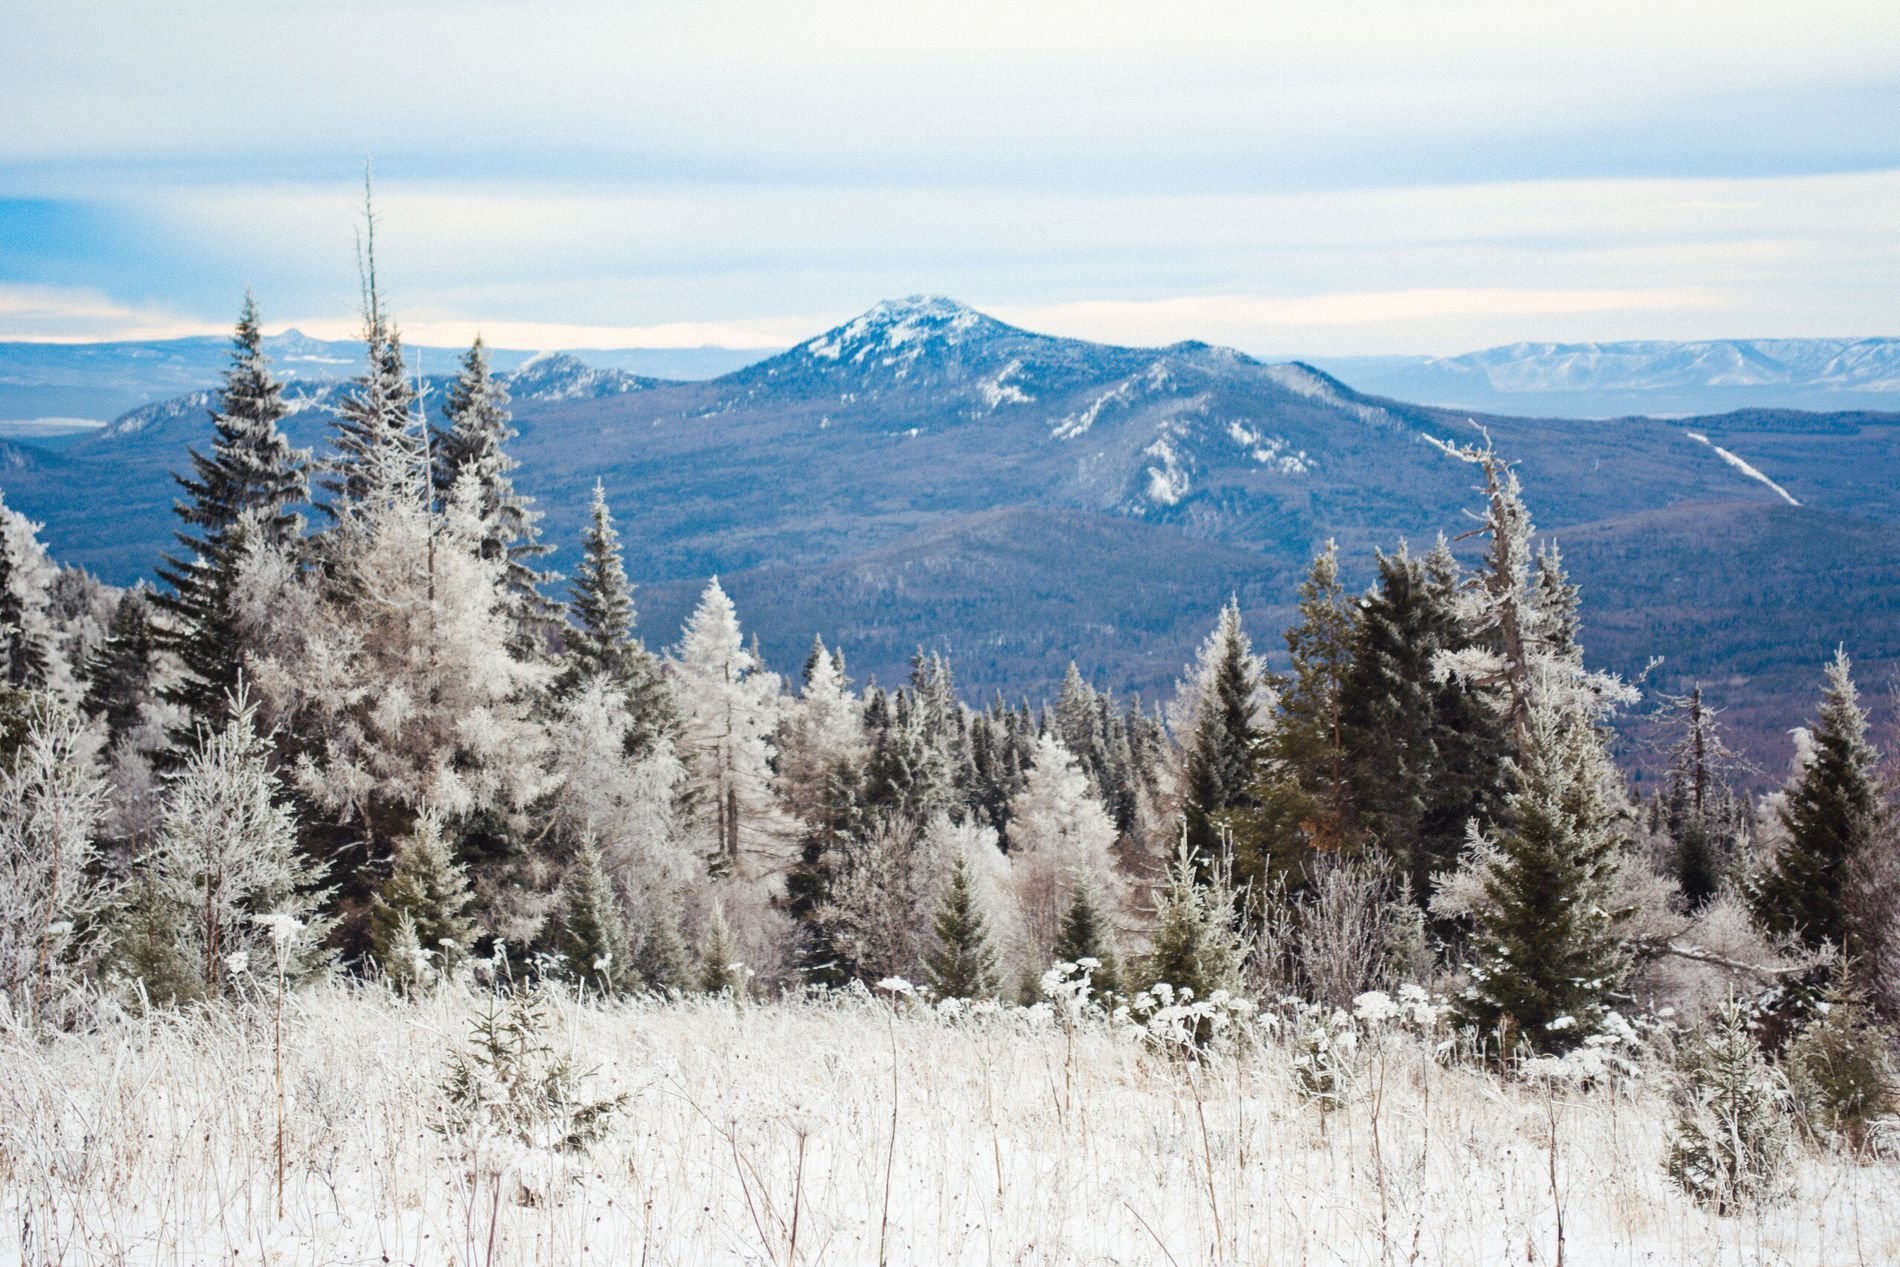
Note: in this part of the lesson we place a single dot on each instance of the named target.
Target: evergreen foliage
(719, 969)
(473, 446)
(1546, 906)
(1085, 935)
(1731, 1139)
(663, 963)
(243, 493)
(1831, 816)
(1304, 793)
(1194, 945)
(119, 675)
(25, 650)
(1547, 954)
(419, 925)
(378, 450)
(1227, 726)
(592, 938)
(1425, 757)
(51, 890)
(600, 639)
(1840, 1071)
(960, 962)
(227, 853)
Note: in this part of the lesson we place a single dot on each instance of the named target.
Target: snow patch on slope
(1078, 423)
(1168, 480)
(1269, 450)
(1000, 391)
(1742, 465)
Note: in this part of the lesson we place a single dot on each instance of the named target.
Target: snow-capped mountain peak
(901, 328)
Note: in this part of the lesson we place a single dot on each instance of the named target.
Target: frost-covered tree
(378, 444)
(719, 969)
(628, 805)
(473, 445)
(1700, 811)
(419, 924)
(244, 492)
(400, 681)
(601, 641)
(51, 800)
(728, 707)
(663, 962)
(1060, 838)
(960, 961)
(820, 735)
(879, 903)
(1548, 955)
(1543, 890)
(227, 853)
(1227, 700)
(1831, 816)
(1194, 945)
(1730, 1146)
(921, 761)
(28, 660)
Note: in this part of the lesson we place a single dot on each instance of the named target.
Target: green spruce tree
(600, 637)
(1085, 935)
(424, 901)
(1194, 945)
(1425, 759)
(960, 962)
(1547, 955)
(719, 969)
(663, 964)
(592, 937)
(1831, 817)
(242, 494)
(1221, 752)
(119, 673)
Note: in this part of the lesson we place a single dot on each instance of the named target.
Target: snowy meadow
(860, 1129)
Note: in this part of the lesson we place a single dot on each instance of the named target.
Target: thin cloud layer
(1365, 177)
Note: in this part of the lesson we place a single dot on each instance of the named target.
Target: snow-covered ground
(1017, 1140)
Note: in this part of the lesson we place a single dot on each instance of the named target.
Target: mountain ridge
(1105, 497)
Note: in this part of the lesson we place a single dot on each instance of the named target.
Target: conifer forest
(825, 633)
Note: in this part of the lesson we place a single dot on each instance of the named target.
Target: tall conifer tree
(473, 445)
(1831, 817)
(243, 493)
(600, 638)
(1221, 752)
(960, 963)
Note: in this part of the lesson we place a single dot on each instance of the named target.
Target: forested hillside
(927, 476)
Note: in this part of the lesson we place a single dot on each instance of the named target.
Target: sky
(1339, 178)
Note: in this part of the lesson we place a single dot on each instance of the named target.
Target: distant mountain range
(51, 389)
(927, 475)
(82, 382)
(1603, 380)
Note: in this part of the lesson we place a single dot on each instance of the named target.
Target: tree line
(359, 701)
